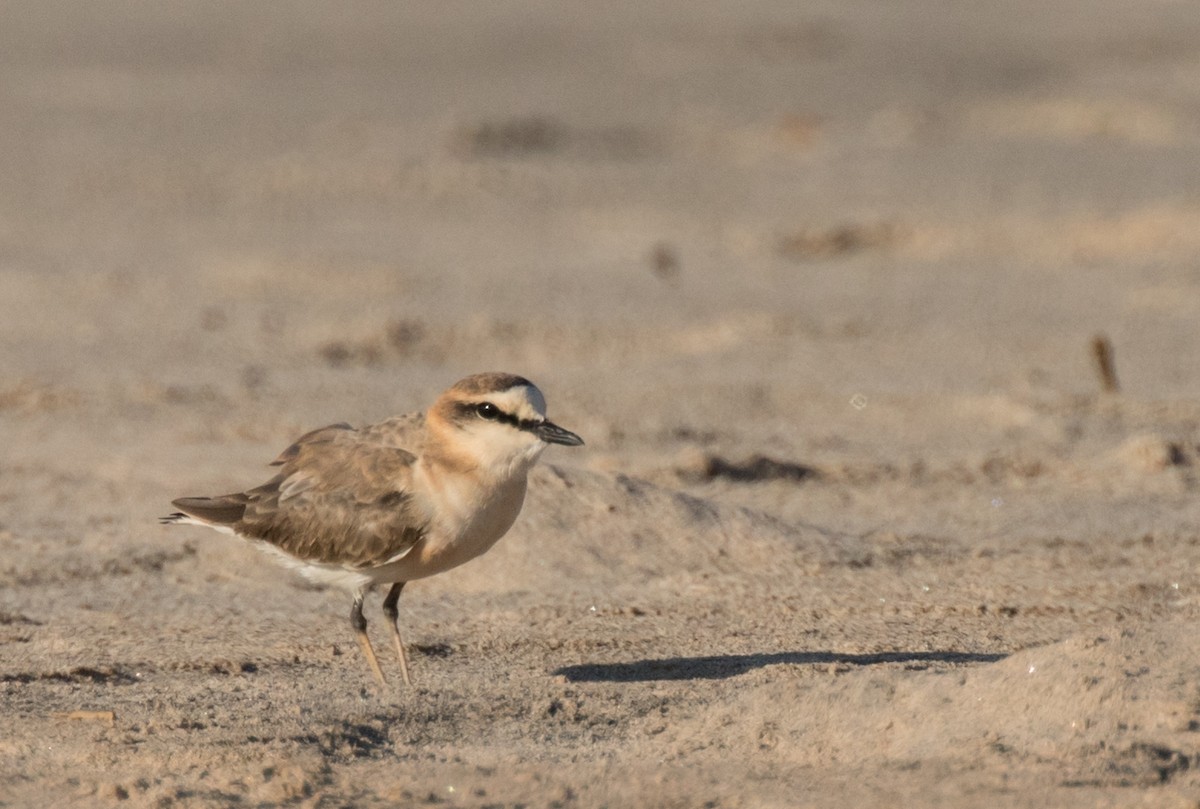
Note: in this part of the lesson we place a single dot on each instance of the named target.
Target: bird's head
(497, 421)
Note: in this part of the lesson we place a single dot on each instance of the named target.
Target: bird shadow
(719, 667)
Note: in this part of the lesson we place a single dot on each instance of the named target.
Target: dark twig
(1102, 351)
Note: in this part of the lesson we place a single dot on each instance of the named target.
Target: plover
(403, 499)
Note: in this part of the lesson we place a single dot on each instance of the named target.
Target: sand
(857, 522)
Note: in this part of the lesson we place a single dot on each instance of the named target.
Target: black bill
(551, 433)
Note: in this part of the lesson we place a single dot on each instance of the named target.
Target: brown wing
(399, 431)
(322, 435)
(337, 499)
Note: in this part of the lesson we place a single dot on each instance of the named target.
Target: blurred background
(836, 196)
(840, 232)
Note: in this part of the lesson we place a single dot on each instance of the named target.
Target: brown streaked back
(337, 499)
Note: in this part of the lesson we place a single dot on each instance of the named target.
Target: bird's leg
(360, 630)
(393, 614)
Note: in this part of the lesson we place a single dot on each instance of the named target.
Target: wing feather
(341, 496)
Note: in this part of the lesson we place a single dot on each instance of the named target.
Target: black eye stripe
(508, 418)
(468, 411)
(520, 424)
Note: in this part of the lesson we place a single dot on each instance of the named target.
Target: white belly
(469, 520)
(466, 526)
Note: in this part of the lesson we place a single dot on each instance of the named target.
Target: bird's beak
(551, 433)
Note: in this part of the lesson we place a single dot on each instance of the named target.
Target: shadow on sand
(717, 667)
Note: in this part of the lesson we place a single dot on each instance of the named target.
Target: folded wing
(337, 499)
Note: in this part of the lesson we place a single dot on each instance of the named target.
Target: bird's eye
(488, 411)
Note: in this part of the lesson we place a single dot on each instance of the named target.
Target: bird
(406, 498)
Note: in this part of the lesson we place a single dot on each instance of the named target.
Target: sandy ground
(855, 525)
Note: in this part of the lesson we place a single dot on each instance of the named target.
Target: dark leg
(359, 623)
(393, 614)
